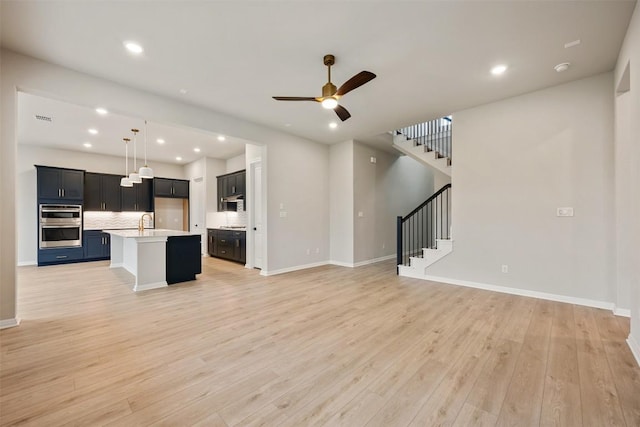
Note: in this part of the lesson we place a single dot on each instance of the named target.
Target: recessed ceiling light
(221, 138)
(333, 125)
(197, 150)
(562, 67)
(178, 158)
(160, 141)
(498, 69)
(87, 144)
(101, 111)
(184, 91)
(288, 125)
(93, 131)
(133, 47)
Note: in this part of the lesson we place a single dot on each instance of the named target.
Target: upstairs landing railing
(434, 135)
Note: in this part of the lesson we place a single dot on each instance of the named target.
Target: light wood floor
(326, 346)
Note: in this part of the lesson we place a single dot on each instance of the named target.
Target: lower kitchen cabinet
(184, 258)
(227, 244)
(51, 256)
(96, 244)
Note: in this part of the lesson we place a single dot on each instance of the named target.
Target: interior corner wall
(627, 109)
(516, 162)
(341, 201)
(382, 191)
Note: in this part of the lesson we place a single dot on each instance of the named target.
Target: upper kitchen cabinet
(102, 192)
(176, 188)
(59, 184)
(231, 187)
(138, 198)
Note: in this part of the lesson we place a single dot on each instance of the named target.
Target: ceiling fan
(331, 94)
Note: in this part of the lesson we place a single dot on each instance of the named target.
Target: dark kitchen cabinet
(96, 245)
(59, 184)
(175, 188)
(227, 244)
(138, 198)
(184, 258)
(102, 192)
(231, 185)
(51, 256)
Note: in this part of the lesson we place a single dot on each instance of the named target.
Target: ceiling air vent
(44, 118)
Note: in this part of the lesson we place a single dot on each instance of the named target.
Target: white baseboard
(524, 292)
(624, 312)
(373, 261)
(294, 268)
(9, 323)
(27, 263)
(361, 263)
(147, 286)
(635, 348)
(342, 264)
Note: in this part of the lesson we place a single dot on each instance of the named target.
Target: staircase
(424, 235)
(428, 142)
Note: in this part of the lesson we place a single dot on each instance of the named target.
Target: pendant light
(125, 182)
(134, 176)
(145, 172)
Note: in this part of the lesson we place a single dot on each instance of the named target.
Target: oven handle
(71, 210)
(59, 226)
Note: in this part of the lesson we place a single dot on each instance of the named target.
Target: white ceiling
(431, 58)
(70, 124)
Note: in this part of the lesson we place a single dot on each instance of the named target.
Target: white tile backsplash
(218, 219)
(114, 220)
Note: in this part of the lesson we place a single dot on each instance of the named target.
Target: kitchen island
(156, 257)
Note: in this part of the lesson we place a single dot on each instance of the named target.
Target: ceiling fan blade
(295, 98)
(355, 82)
(342, 112)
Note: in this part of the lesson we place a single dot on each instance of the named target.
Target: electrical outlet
(283, 214)
(505, 268)
(564, 211)
(384, 245)
(360, 214)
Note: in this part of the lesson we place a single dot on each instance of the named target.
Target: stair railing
(434, 135)
(424, 225)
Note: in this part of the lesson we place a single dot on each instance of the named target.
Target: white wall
(26, 197)
(297, 168)
(297, 178)
(627, 190)
(516, 161)
(391, 187)
(341, 203)
(236, 163)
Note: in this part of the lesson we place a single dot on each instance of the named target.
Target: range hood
(233, 198)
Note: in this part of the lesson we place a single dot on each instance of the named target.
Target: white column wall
(627, 190)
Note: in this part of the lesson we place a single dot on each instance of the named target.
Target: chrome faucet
(141, 222)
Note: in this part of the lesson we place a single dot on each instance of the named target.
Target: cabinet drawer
(59, 255)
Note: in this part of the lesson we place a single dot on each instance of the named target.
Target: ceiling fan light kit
(330, 94)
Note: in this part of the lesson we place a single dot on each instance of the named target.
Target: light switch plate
(564, 212)
(283, 214)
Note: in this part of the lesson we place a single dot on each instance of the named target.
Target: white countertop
(149, 232)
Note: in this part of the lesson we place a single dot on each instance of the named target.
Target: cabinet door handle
(237, 243)
(61, 256)
(59, 193)
(222, 241)
(63, 192)
(224, 252)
